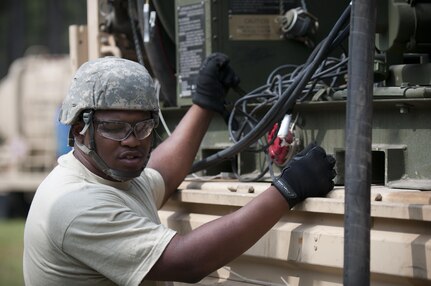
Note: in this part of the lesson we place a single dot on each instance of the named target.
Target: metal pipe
(357, 218)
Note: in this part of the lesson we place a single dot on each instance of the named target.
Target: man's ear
(76, 129)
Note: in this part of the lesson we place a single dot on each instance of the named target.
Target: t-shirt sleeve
(156, 185)
(116, 242)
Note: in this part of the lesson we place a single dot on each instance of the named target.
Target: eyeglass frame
(131, 128)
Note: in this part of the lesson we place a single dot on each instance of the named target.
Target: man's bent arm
(191, 257)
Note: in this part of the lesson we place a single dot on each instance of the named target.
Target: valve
(300, 25)
(280, 149)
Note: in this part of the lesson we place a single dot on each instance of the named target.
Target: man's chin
(125, 175)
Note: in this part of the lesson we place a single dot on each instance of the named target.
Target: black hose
(357, 218)
(155, 52)
(285, 103)
(165, 12)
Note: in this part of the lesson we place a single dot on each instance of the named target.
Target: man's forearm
(174, 157)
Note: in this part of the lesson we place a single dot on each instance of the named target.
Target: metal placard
(254, 27)
(191, 45)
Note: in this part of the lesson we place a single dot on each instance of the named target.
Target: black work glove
(214, 80)
(308, 174)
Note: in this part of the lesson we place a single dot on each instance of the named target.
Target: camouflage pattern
(109, 83)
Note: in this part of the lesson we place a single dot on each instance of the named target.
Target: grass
(11, 247)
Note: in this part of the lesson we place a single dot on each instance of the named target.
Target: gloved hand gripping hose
(308, 174)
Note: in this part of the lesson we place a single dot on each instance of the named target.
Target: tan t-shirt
(84, 230)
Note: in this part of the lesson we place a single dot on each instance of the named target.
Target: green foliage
(11, 249)
(43, 23)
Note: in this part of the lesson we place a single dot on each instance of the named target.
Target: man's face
(129, 154)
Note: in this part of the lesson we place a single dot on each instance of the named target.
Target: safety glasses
(119, 131)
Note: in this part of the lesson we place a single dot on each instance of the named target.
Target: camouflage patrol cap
(109, 83)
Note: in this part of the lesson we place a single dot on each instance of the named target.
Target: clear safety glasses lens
(120, 131)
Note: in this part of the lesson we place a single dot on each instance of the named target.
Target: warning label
(191, 44)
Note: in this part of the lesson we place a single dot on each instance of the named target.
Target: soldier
(94, 221)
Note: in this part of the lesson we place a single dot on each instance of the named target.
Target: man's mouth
(130, 155)
(131, 159)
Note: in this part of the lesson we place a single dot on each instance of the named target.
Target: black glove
(214, 80)
(308, 174)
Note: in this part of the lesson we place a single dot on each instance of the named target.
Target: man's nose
(131, 140)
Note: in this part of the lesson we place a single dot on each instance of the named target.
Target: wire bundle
(280, 94)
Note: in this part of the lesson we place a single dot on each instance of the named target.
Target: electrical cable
(161, 118)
